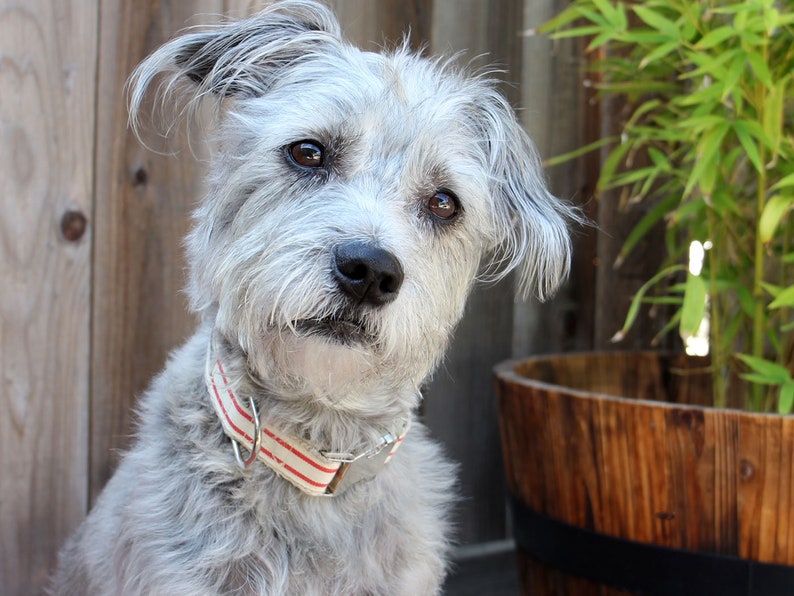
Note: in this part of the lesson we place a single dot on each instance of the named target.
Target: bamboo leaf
(733, 75)
(773, 373)
(659, 159)
(688, 210)
(561, 20)
(754, 128)
(744, 135)
(694, 307)
(774, 211)
(758, 379)
(785, 298)
(698, 123)
(636, 87)
(760, 68)
(701, 96)
(611, 164)
(642, 37)
(642, 227)
(704, 172)
(725, 204)
(632, 176)
(784, 182)
(595, 16)
(740, 20)
(785, 19)
(664, 300)
(708, 64)
(658, 53)
(601, 39)
(643, 109)
(771, 19)
(656, 21)
(565, 157)
(773, 113)
(715, 37)
(578, 32)
(610, 12)
(772, 289)
(785, 401)
(634, 308)
(667, 328)
(733, 8)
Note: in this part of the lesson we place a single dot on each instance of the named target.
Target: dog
(353, 199)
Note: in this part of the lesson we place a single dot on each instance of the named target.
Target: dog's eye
(444, 205)
(307, 154)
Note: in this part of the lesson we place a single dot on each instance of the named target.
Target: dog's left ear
(242, 58)
(531, 225)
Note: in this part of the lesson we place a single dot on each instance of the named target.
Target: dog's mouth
(343, 329)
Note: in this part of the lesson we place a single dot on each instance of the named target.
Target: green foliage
(710, 87)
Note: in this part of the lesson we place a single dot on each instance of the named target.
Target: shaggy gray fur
(322, 362)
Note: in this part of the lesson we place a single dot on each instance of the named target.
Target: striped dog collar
(314, 471)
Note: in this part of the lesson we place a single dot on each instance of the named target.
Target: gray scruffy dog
(352, 202)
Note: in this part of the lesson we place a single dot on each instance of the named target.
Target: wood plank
(460, 406)
(765, 492)
(560, 115)
(725, 428)
(143, 202)
(48, 58)
(371, 25)
(460, 410)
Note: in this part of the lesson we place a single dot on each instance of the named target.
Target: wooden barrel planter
(622, 483)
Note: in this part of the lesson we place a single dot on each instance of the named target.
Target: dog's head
(354, 199)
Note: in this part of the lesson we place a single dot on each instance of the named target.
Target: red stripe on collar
(312, 470)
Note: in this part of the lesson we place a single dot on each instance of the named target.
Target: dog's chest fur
(178, 508)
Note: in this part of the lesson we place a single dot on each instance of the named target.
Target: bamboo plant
(708, 146)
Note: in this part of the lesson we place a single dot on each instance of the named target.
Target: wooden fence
(91, 264)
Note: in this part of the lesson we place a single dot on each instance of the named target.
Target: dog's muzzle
(367, 273)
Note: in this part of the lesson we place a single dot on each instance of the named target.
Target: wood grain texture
(47, 62)
(142, 215)
(459, 404)
(373, 25)
(560, 115)
(653, 470)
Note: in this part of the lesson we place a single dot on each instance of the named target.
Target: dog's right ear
(243, 58)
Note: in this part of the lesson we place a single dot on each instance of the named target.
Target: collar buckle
(354, 468)
(257, 435)
(348, 458)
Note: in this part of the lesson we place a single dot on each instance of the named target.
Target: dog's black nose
(367, 272)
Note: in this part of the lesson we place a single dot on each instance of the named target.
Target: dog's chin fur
(340, 374)
(326, 357)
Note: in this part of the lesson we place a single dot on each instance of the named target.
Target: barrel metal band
(642, 567)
